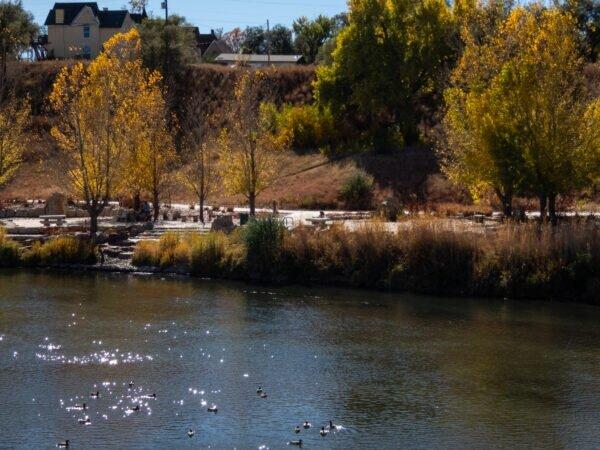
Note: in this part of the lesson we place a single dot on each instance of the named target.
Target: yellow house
(79, 30)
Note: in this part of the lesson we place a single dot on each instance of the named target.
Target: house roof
(219, 47)
(139, 18)
(111, 19)
(106, 18)
(71, 11)
(263, 59)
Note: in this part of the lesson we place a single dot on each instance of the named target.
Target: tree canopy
(386, 60)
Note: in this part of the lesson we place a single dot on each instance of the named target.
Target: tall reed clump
(435, 260)
(263, 240)
(170, 251)
(542, 261)
(215, 255)
(10, 253)
(61, 250)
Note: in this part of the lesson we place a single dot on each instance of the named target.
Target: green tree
(518, 117)
(387, 61)
(168, 47)
(255, 42)
(587, 16)
(280, 40)
(17, 29)
(311, 35)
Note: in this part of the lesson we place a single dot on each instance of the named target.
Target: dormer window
(86, 31)
(59, 15)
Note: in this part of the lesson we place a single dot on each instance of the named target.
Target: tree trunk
(201, 203)
(93, 212)
(507, 209)
(137, 202)
(543, 204)
(252, 204)
(552, 209)
(156, 205)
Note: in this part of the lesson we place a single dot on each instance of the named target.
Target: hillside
(310, 180)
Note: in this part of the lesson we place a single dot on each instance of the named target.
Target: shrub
(437, 260)
(357, 191)
(61, 250)
(173, 251)
(263, 239)
(311, 128)
(208, 254)
(10, 253)
(146, 254)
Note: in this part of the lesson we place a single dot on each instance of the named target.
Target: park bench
(58, 220)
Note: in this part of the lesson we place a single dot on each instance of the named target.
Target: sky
(226, 14)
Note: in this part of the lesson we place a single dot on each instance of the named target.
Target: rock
(101, 238)
(117, 237)
(223, 223)
(135, 230)
(56, 204)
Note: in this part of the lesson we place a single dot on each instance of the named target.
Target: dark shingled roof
(111, 19)
(139, 18)
(107, 19)
(71, 11)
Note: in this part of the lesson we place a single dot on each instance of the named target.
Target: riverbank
(525, 261)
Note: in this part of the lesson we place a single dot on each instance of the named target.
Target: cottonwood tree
(201, 175)
(519, 119)
(93, 105)
(147, 140)
(250, 153)
(14, 117)
(386, 61)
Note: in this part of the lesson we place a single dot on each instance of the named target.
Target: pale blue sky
(226, 14)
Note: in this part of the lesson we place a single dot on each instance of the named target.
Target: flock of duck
(306, 425)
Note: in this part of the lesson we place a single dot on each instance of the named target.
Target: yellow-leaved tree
(519, 119)
(99, 107)
(14, 117)
(251, 153)
(150, 154)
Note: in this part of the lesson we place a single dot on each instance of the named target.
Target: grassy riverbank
(528, 261)
(59, 251)
(517, 261)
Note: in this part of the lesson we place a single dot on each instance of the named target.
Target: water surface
(395, 371)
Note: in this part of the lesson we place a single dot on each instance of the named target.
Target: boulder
(117, 237)
(223, 223)
(56, 204)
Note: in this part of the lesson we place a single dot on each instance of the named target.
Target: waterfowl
(85, 421)
(95, 394)
(332, 426)
(323, 432)
(191, 433)
(297, 443)
(259, 390)
(64, 444)
(306, 425)
(297, 429)
(82, 407)
(136, 408)
(213, 408)
(131, 384)
(263, 395)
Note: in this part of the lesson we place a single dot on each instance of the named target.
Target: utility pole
(268, 43)
(165, 6)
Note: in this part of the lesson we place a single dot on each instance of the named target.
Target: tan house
(79, 30)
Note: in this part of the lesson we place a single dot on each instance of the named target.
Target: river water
(392, 371)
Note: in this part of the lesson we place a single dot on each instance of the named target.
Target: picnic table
(58, 220)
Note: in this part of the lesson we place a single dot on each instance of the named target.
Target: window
(87, 52)
(59, 16)
(86, 31)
